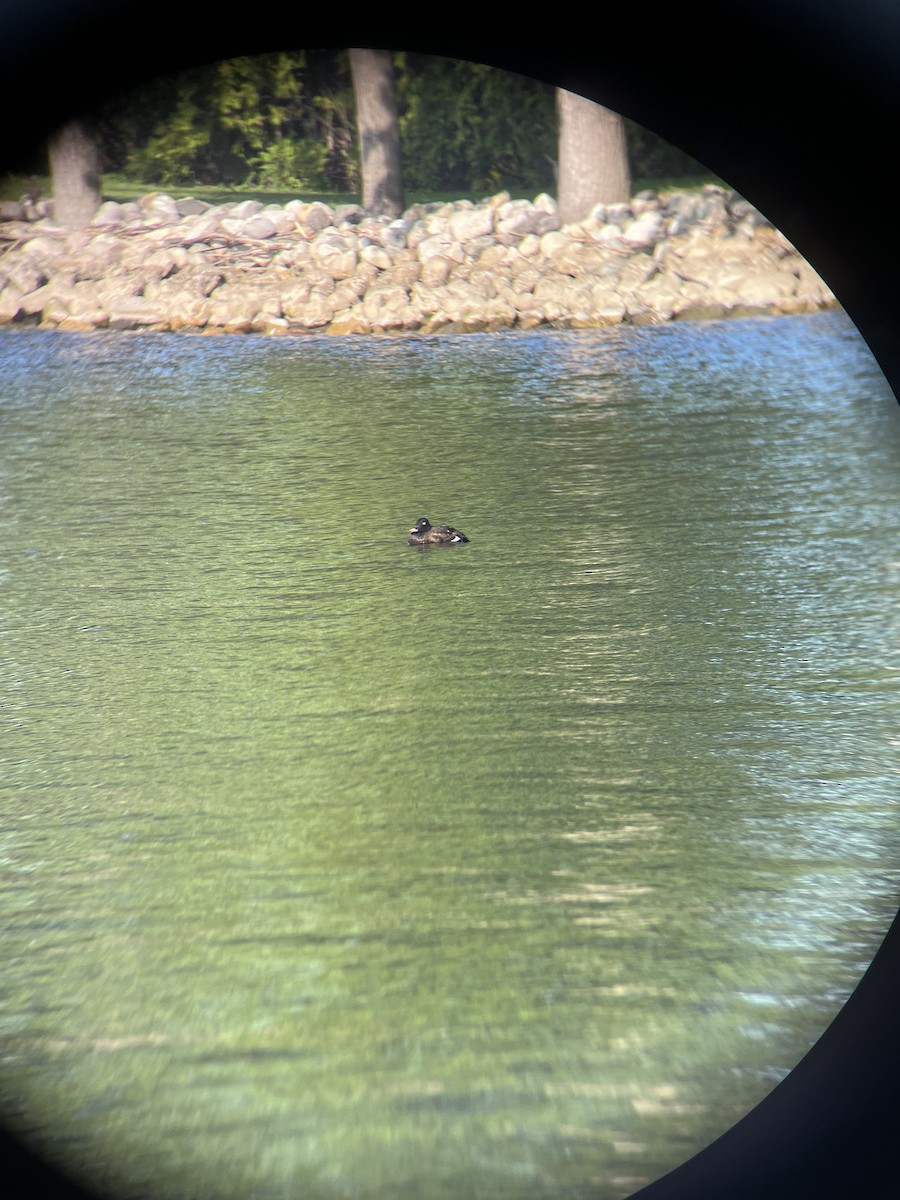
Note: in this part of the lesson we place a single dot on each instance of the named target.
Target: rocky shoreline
(185, 265)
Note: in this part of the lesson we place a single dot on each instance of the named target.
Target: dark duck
(423, 533)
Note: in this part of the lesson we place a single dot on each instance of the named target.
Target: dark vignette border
(794, 103)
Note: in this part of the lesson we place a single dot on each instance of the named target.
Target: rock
(494, 254)
(376, 255)
(317, 216)
(245, 209)
(435, 271)
(417, 234)
(618, 214)
(812, 292)
(110, 213)
(270, 324)
(187, 309)
(405, 270)
(395, 234)
(25, 275)
(159, 207)
(282, 221)
(239, 227)
(233, 306)
(260, 227)
(44, 251)
(661, 294)
(469, 224)
(189, 207)
(525, 221)
(348, 214)
(200, 228)
(609, 309)
(308, 308)
(11, 210)
(635, 272)
(438, 244)
(645, 230)
(336, 255)
(136, 313)
(764, 288)
(160, 264)
(10, 303)
(554, 243)
(568, 295)
(386, 307)
(33, 303)
(97, 257)
(458, 266)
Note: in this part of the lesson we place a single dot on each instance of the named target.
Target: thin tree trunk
(593, 158)
(75, 167)
(379, 132)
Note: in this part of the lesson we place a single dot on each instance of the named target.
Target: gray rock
(189, 207)
(200, 228)
(318, 216)
(528, 220)
(260, 227)
(245, 209)
(348, 214)
(134, 313)
(161, 264)
(618, 214)
(11, 210)
(283, 221)
(243, 227)
(395, 234)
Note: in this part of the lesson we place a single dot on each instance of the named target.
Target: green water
(333, 867)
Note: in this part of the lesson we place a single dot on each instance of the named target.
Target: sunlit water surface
(521, 869)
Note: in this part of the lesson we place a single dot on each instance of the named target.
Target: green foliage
(288, 121)
(297, 163)
(179, 146)
(469, 127)
(259, 99)
(283, 120)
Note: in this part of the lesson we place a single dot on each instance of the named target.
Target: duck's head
(420, 528)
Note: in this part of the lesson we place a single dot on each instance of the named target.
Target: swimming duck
(423, 533)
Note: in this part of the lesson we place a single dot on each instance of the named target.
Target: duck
(423, 533)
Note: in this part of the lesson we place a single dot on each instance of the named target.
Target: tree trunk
(593, 159)
(75, 167)
(379, 132)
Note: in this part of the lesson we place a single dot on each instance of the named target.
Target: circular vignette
(790, 105)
